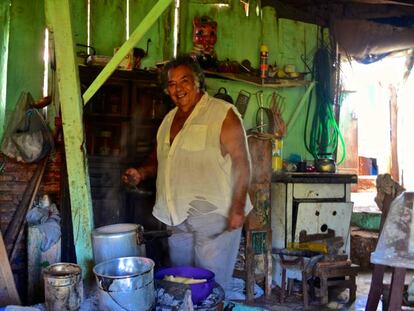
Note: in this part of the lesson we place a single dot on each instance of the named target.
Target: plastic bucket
(63, 287)
(118, 240)
(199, 291)
(125, 283)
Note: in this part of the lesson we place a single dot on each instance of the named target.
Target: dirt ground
(338, 299)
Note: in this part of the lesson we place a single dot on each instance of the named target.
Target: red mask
(205, 33)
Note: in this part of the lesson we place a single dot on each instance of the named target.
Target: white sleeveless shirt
(193, 176)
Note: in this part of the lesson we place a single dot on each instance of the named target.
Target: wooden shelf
(256, 81)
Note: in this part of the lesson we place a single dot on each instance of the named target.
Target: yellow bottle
(277, 155)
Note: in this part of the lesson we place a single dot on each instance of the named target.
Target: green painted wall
(239, 38)
(108, 28)
(4, 42)
(25, 70)
(161, 33)
(25, 51)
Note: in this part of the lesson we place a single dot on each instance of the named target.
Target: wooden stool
(298, 260)
(327, 271)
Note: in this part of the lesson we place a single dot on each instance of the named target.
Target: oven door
(318, 217)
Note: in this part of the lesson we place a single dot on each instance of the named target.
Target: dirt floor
(337, 298)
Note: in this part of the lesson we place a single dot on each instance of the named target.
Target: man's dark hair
(184, 60)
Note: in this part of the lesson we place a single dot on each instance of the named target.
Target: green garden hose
(324, 132)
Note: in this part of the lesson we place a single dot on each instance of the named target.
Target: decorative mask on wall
(204, 39)
(205, 33)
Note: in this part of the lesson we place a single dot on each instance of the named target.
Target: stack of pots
(125, 278)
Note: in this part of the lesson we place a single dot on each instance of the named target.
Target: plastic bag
(27, 138)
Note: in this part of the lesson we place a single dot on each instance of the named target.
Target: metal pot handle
(140, 235)
(224, 90)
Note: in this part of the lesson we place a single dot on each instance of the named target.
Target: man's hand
(132, 177)
(236, 219)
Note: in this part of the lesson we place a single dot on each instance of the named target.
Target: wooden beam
(60, 27)
(369, 11)
(320, 12)
(139, 32)
(289, 11)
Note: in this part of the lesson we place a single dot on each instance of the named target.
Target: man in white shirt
(202, 167)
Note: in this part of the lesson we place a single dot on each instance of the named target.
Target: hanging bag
(27, 139)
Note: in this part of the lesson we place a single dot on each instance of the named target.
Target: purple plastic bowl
(200, 291)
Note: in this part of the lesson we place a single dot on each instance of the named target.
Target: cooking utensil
(125, 283)
(325, 165)
(264, 116)
(276, 108)
(222, 94)
(117, 240)
(242, 102)
(122, 240)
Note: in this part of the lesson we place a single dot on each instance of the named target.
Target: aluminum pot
(118, 240)
(125, 283)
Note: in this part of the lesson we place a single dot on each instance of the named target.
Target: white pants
(203, 241)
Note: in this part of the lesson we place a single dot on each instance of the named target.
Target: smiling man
(202, 167)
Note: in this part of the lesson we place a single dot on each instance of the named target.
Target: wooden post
(60, 27)
(395, 170)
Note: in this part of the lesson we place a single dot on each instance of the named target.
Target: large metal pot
(125, 283)
(118, 240)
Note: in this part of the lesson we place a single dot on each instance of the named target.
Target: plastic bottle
(264, 55)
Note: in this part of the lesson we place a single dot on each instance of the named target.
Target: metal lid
(116, 228)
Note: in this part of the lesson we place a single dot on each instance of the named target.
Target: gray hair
(184, 60)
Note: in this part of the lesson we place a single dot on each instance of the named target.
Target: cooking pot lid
(116, 228)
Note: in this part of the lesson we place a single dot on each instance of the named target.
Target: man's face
(182, 87)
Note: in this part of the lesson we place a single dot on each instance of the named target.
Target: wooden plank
(376, 288)
(15, 227)
(8, 291)
(397, 288)
(60, 27)
(256, 81)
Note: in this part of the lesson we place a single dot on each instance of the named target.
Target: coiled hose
(324, 133)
